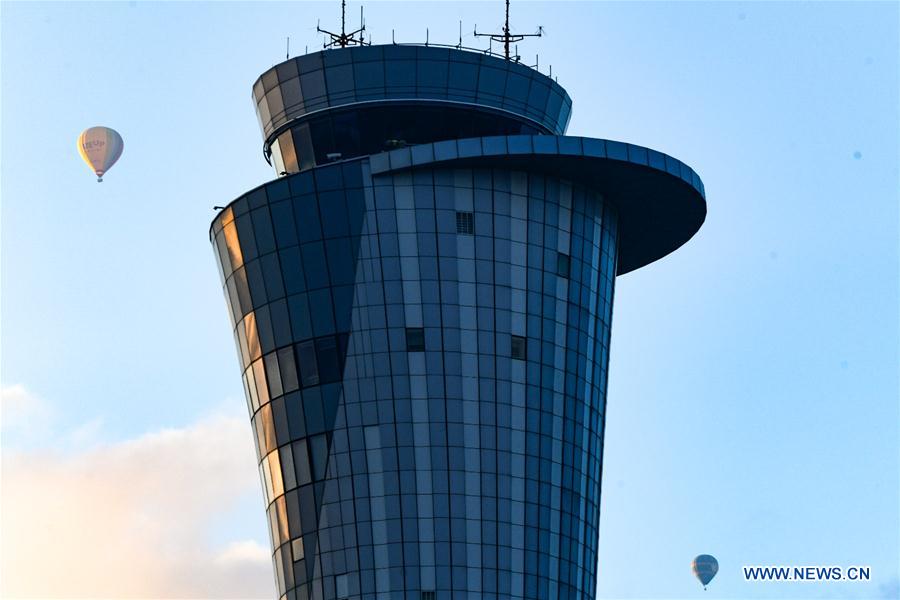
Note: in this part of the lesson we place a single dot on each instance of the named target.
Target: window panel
(234, 303)
(562, 264)
(318, 446)
(247, 393)
(222, 253)
(518, 347)
(342, 587)
(301, 327)
(334, 212)
(463, 78)
(292, 271)
(306, 360)
(399, 74)
(297, 549)
(288, 153)
(235, 255)
(266, 477)
(262, 108)
(264, 415)
(269, 79)
(281, 323)
(253, 349)
(258, 90)
(275, 470)
(274, 102)
(301, 462)
(288, 471)
(279, 414)
(270, 271)
(431, 74)
(491, 82)
(327, 360)
(308, 509)
(303, 147)
(340, 79)
(340, 262)
(288, 369)
(537, 97)
(369, 74)
(517, 88)
(465, 223)
(314, 265)
(290, 92)
(321, 304)
(293, 405)
(312, 411)
(243, 291)
(415, 339)
(256, 284)
(259, 374)
(313, 86)
(245, 233)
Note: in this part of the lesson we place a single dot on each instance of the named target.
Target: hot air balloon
(100, 147)
(705, 568)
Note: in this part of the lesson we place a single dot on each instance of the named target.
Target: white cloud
(245, 551)
(22, 411)
(133, 518)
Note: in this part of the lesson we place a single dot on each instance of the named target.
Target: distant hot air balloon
(100, 147)
(705, 568)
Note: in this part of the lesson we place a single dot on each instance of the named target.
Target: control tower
(421, 301)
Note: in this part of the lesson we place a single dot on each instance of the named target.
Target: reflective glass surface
(427, 403)
(347, 76)
(369, 129)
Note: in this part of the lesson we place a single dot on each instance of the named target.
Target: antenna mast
(507, 37)
(345, 39)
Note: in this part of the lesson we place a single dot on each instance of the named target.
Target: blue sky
(753, 404)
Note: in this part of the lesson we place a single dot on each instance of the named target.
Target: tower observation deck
(422, 302)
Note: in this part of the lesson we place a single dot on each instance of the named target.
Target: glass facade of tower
(424, 341)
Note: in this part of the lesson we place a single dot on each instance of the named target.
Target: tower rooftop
(308, 85)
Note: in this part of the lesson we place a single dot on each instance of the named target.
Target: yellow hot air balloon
(100, 147)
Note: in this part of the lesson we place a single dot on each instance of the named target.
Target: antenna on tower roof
(344, 39)
(507, 37)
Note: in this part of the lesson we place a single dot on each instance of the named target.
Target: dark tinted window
(369, 74)
(562, 264)
(272, 371)
(312, 84)
(415, 339)
(340, 79)
(327, 360)
(346, 134)
(319, 454)
(517, 349)
(288, 369)
(465, 222)
(306, 359)
(292, 270)
(290, 92)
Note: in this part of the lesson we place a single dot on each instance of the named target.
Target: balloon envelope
(100, 147)
(705, 568)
